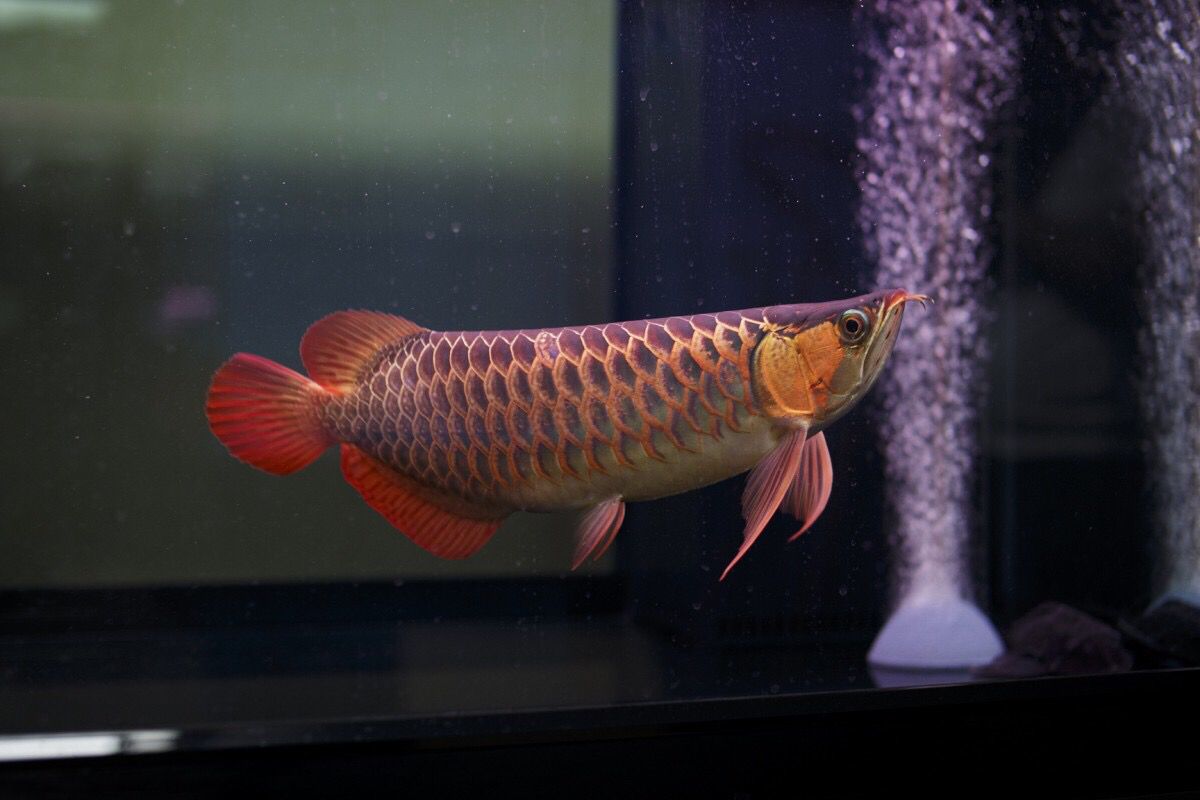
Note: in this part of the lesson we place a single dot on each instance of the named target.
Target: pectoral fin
(766, 487)
(597, 529)
(814, 481)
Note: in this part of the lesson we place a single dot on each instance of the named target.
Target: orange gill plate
(447, 433)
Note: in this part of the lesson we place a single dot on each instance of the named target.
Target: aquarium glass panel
(393, 361)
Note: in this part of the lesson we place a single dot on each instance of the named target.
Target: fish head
(814, 361)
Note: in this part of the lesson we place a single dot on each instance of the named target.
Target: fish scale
(507, 416)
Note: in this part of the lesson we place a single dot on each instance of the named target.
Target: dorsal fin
(336, 348)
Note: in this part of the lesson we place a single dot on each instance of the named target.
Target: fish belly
(648, 479)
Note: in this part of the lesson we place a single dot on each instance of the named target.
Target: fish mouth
(895, 300)
(891, 311)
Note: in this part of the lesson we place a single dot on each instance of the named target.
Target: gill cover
(793, 370)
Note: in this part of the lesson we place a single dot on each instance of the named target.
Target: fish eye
(853, 325)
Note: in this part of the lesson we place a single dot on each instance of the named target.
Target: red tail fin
(266, 414)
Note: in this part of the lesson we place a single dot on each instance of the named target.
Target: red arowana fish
(447, 433)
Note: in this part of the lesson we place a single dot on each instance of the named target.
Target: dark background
(170, 580)
(737, 182)
(185, 181)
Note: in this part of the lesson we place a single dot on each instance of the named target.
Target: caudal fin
(266, 414)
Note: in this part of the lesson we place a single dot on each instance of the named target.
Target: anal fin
(444, 525)
(597, 530)
(813, 483)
